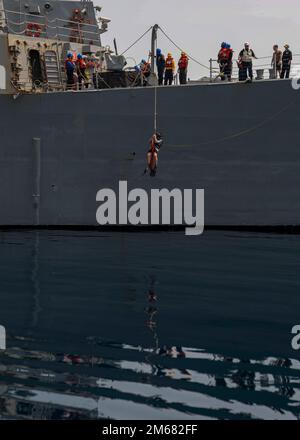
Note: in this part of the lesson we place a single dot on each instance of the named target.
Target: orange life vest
(81, 66)
(169, 63)
(224, 54)
(153, 150)
(183, 62)
(146, 68)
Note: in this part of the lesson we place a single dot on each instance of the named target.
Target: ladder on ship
(52, 69)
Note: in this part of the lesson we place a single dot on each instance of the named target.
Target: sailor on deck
(70, 70)
(225, 61)
(161, 65)
(183, 68)
(245, 63)
(145, 69)
(170, 70)
(287, 58)
(277, 60)
(81, 71)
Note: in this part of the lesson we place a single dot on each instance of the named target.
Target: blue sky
(200, 26)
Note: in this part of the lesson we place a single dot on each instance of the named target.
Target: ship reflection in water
(149, 325)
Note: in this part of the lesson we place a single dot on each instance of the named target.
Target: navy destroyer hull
(240, 142)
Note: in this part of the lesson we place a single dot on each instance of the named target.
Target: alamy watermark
(161, 207)
(296, 338)
(2, 338)
(296, 78)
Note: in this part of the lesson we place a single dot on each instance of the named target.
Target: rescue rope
(155, 109)
(181, 50)
(240, 133)
(138, 40)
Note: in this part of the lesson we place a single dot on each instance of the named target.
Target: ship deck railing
(19, 23)
(262, 68)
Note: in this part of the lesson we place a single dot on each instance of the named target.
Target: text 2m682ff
(171, 429)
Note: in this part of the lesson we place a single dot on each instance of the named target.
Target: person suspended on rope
(245, 63)
(70, 70)
(225, 56)
(161, 65)
(145, 67)
(81, 68)
(183, 68)
(170, 70)
(152, 155)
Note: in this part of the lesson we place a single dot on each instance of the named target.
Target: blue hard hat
(69, 55)
(79, 56)
(158, 51)
(143, 61)
(228, 46)
(223, 45)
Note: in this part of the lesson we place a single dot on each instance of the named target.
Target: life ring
(33, 30)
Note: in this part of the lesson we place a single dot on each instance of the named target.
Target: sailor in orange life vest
(183, 66)
(81, 68)
(169, 70)
(152, 155)
(225, 56)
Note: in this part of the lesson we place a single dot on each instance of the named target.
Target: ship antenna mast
(155, 108)
(153, 47)
(153, 54)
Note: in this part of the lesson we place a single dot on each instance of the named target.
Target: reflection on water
(149, 326)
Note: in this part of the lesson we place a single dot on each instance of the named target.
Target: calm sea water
(149, 325)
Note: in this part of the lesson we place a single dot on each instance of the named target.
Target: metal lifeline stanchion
(210, 70)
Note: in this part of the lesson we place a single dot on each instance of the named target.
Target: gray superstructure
(240, 142)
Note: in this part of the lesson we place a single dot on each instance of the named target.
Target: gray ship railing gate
(31, 25)
(262, 68)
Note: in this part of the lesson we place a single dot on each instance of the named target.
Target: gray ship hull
(239, 142)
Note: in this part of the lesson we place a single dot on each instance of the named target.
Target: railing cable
(179, 48)
(138, 40)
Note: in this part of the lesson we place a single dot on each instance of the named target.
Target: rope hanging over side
(242, 132)
(155, 109)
